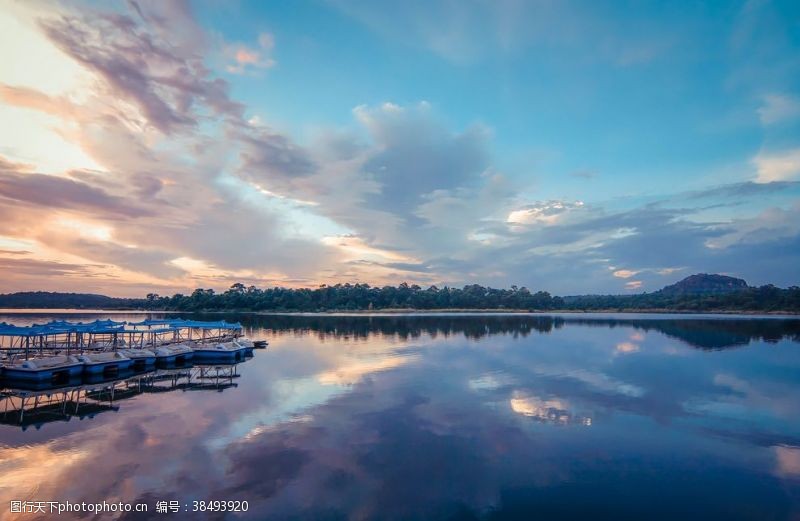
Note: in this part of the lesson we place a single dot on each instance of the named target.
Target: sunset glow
(151, 147)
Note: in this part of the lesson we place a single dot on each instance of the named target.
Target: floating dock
(58, 351)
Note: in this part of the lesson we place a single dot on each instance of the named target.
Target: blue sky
(661, 88)
(567, 146)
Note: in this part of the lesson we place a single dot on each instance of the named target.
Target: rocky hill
(704, 284)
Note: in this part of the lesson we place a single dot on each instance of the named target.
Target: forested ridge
(357, 297)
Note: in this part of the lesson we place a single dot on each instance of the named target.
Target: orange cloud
(634, 284)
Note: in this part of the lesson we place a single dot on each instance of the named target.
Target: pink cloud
(634, 284)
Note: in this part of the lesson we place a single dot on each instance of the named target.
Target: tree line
(354, 297)
(764, 298)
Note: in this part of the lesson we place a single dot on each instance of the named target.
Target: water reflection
(704, 333)
(509, 417)
(27, 404)
(553, 411)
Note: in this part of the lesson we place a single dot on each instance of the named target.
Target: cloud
(546, 212)
(627, 347)
(414, 154)
(771, 224)
(634, 284)
(37, 100)
(60, 192)
(743, 190)
(166, 82)
(271, 158)
(154, 199)
(668, 271)
(778, 108)
(777, 166)
(246, 58)
(787, 461)
(38, 269)
(401, 183)
(142, 259)
(358, 249)
(181, 189)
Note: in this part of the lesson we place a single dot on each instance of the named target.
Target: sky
(572, 147)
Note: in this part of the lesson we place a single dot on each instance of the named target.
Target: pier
(58, 370)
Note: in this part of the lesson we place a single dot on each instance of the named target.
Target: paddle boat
(104, 362)
(219, 352)
(173, 354)
(48, 369)
(142, 358)
(246, 344)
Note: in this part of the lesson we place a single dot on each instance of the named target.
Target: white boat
(219, 352)
(104, 362)
(141, 357)
(173, 353)
(49, 369)
(245, 343)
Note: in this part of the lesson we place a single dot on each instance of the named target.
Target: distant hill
(704, 284)
(52, 300)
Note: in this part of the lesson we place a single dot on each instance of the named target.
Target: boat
(107, 362)
(173, 353)
(245, 343)
(142, 358)
(219, 352)
(260, 344)
(49, 369)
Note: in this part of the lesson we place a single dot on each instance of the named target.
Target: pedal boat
(107, 362)
(52, 369)
(173, 354)
(142, 358)
(219, 352)
(246, 344)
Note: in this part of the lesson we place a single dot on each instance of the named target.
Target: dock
(57, 370)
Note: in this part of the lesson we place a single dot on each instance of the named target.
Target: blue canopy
(178, 323)
(12, 330)
(98, 326)
(56, 327)
(221, 324)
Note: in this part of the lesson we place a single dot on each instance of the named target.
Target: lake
(436, 417)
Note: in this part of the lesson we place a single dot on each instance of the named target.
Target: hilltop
(704, 284)
(55, 300)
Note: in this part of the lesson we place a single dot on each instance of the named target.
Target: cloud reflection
(425, 419)
(552, 410)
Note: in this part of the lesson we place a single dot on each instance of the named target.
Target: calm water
(443, 417)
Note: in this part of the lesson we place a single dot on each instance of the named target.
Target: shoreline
(411, 311)
(519, 312)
